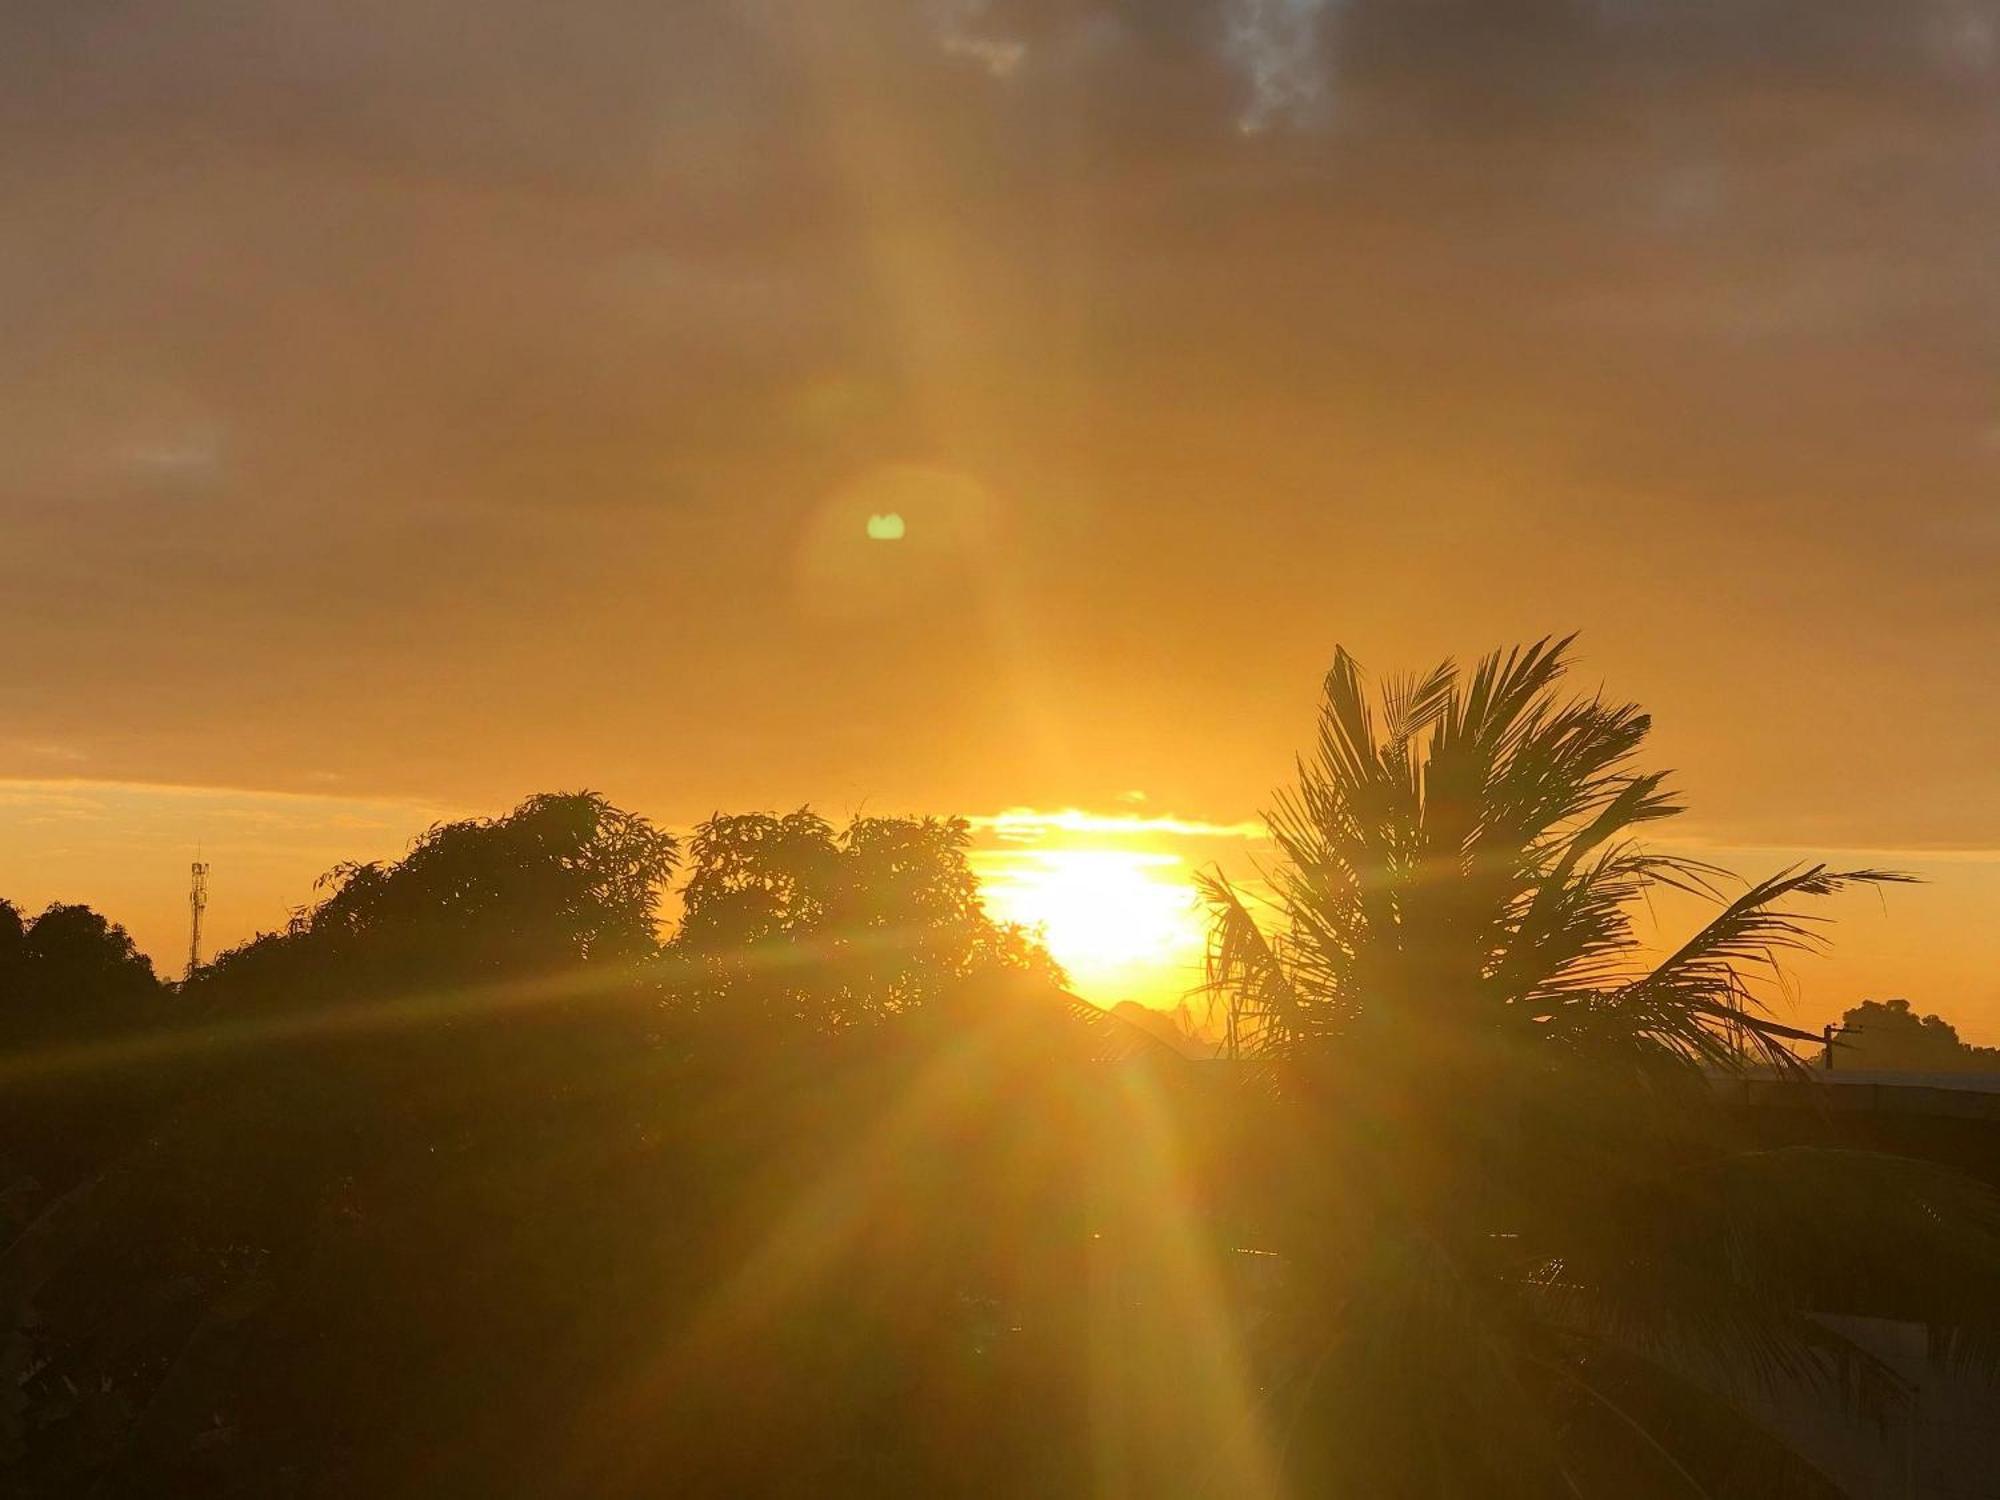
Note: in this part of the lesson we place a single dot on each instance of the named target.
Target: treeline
(466, 1183)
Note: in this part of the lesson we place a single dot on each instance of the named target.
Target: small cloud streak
(1022, 825)
(956, 24)
(46, 750)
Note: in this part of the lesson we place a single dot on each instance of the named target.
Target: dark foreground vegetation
(466, 1184)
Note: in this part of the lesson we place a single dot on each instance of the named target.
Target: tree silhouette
(13, 934)
(72, 987)
(1888, 1034)
(788, 924)
(69, 973)
(1525, 1254)
(565, 878)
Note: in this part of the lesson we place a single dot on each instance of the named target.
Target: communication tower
(197, 904)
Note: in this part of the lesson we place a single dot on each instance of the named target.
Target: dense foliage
(68, 975)
(1525, 1241)
(1890, 1036)
(791, 925)
(403, 1198)
(564, 1158)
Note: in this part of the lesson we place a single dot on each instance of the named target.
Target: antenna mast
(197, 904)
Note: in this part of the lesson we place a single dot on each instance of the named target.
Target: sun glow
(1122, 922)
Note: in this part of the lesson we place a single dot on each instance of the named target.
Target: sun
(1123, 923)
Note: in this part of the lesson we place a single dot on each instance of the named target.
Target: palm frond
(1872, 1234)
(1507, 1084)
(1703, 1444)
(1243, 971)
(1705, 984)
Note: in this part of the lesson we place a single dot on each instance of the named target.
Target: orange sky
(413, 405)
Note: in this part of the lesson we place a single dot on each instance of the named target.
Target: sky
(412, 404)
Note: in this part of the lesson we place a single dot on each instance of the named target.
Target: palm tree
(1525, 1251)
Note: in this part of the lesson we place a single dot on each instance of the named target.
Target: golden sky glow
(396, 428)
